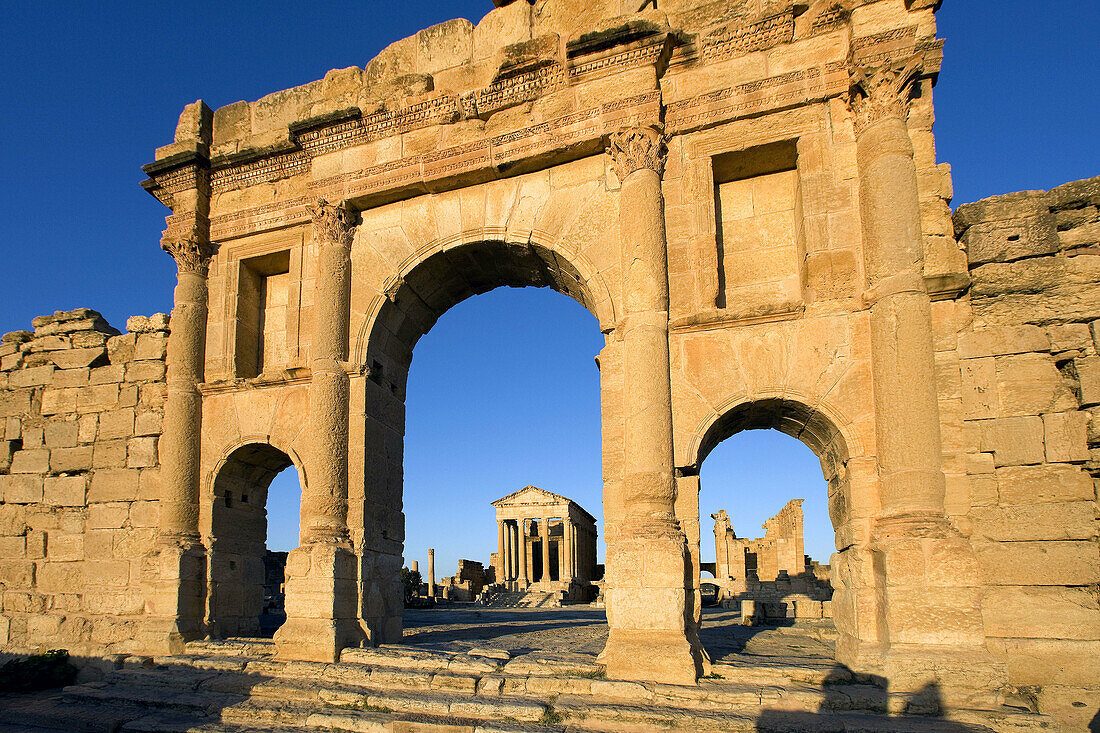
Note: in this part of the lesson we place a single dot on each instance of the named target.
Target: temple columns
(523, 549)
(648, 558)
(926, 570)
(321, 584)
(565, 557)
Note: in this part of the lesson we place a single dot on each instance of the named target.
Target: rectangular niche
(262, 300)
(758, 229)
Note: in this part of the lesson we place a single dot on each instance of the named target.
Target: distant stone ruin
(773, 572)
(546, 543)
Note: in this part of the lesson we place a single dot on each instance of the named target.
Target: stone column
(322, 593)
(566, 556)
(523, 561)
(179, 603)
(500, 551)
(544, 532)
(928, 572)
(431, 572)
(508, 554)
(647, 559)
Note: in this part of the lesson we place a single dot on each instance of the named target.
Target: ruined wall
(82, 409)
(1026, 372)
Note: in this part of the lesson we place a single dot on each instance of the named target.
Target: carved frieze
(738, 39)
(635, 148)
(881, 91)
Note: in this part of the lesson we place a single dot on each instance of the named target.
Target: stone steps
(239, 688)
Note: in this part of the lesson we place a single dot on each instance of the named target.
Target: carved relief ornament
(332, 223)
(635, 148)
(191, 253)
(882, 91)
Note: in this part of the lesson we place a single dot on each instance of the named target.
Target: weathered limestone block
(64, 490)
(1030, 384)
(1014, 441)
(1041, 612)
(1047, 521)
(1064, 434)
(1070, 563)
(1088, 375)
(67, 460)
(113, 485)
(30, 461)
(24, 489)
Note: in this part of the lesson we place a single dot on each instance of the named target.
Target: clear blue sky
(503, 390)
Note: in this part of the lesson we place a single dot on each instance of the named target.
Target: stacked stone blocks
(82, 407)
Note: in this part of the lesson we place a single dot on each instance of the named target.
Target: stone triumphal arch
(744, 194)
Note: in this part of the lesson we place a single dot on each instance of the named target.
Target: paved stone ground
(582, 630)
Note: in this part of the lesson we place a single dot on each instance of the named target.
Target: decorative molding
(635, 148)
(191, 253)
(738, 39)
(882, 91)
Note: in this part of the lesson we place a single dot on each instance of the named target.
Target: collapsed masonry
(773, 572)
(745, 195)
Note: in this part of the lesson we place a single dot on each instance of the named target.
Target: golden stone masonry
(746, 196)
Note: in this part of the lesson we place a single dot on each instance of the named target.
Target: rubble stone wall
(81, 407)
(1026, 371)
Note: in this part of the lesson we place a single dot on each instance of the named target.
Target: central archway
(450, 273)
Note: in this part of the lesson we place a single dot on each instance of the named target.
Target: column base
(934, 651)
(177, 606)
(321, 599)
(648, 636)
(383, 598)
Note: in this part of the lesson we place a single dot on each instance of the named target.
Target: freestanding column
(431, 572)
(927, 570)
(647, 560)
(321, 592)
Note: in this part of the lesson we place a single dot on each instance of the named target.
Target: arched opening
(770, 512)
(500, 408)
(254, 523)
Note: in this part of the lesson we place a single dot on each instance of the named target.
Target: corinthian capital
(191, 253)
(332, 223)
(881, 91)
(635, 148)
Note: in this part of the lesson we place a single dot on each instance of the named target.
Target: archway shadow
(862, 702)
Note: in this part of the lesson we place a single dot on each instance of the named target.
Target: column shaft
(545, 533)
(325, 495)
(566, 555)
(522, 548)
(647, 613)
(179, 443)
(500, 550)
(903, 365)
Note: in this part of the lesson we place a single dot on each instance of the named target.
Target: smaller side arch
(244, 580)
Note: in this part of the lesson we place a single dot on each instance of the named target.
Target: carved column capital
(332, 223)
(881, 91)
(635, 148)
(191, 253)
